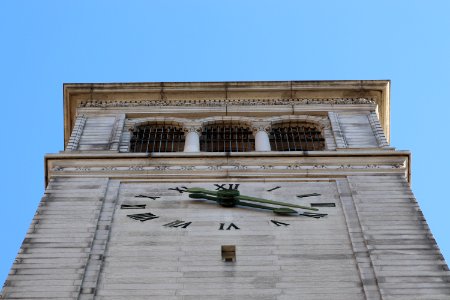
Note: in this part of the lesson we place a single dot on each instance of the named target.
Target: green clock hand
(277, 210)
(203, 196)
(246, 198)
(201, 190)
(224, 201)
(261, 200)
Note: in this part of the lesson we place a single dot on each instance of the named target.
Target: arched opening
(154, 137)
(226, 137)
(296, 136)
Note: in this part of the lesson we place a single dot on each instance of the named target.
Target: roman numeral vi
(232, 225)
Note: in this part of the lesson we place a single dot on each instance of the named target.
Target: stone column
(192, 138)
(261, 133)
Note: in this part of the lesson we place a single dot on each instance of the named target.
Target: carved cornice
(223, 102)
(169, 168)
(332, 163)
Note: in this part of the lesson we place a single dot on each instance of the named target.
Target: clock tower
(228, 190)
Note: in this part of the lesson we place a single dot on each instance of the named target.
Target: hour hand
(203, 196)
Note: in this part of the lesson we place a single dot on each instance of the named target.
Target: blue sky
(47, 43)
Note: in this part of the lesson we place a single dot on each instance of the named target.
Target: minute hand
(261, 200)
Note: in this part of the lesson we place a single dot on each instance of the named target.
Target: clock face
(162, 235)
(228, 202)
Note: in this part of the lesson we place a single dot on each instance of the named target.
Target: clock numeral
(220, 186)
(178, 223)
(143, 217)
(278, 223)
(330, 204)
(180, 190)
(231, 186)
(313, 215)
(307, 195)
(145, 196)
(232, 225)
(273, 189)
(133, 206)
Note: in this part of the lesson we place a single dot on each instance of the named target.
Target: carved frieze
(233, 166)
(224, 102)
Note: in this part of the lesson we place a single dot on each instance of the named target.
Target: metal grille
(157, 138)
(296, 137)
(226, 138)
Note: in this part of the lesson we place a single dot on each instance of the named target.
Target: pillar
(192, 139)
(261, 134)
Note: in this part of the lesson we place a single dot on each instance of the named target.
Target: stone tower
(228, 190)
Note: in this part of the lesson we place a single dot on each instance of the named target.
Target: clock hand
(203, 196)
(261, 200)
(224, 201)
(247, 198)
(277, 210)
(201, 190)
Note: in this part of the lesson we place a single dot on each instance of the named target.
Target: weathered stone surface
(374, 242)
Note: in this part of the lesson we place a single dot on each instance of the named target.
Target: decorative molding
(117, 132)
(258, 123)
(266, 167)
(164, 168)
(339, 136)
(135, 168)
(260, 126)
(214, 168)
(317, 121)
(243, 121)
(169, 121)
(377, 129)
(233, 166)
(187, 168)
(224, 102)
(190, 127)
(76, 133)
(242, 167)
(109, 168)
(83, 169)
